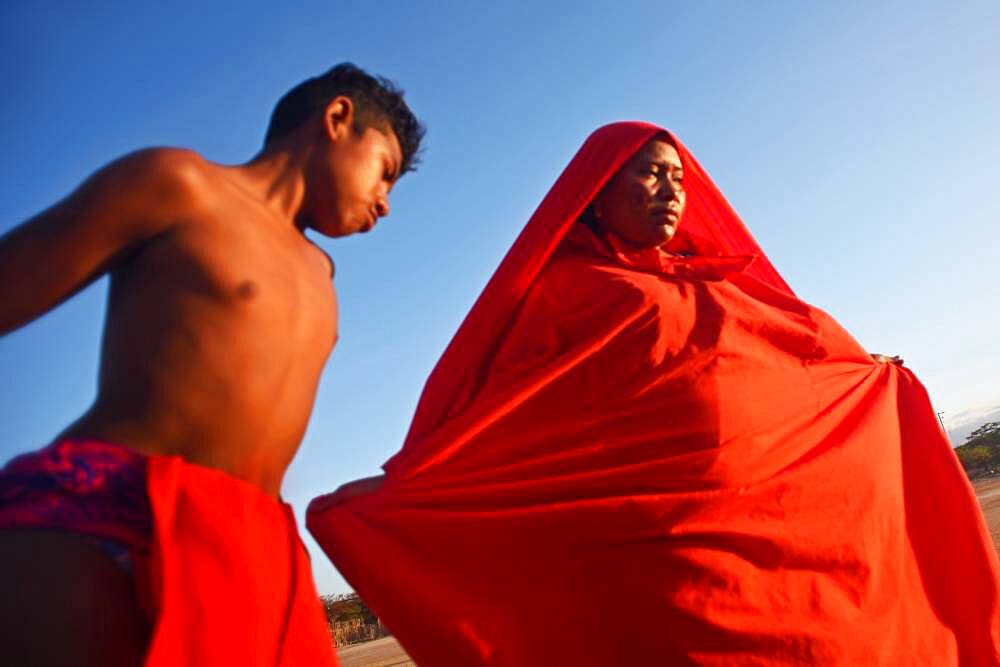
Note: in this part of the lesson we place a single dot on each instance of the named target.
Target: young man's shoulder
(143, 193)
(175, 171)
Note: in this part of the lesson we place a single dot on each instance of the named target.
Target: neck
(625, 245)
(276, 177)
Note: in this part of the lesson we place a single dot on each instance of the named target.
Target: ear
(338, 118)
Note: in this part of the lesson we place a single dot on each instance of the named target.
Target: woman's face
(644, 201)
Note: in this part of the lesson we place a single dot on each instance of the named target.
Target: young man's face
(351, 180)
(643, 202)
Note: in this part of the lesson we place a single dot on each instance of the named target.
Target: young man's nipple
(247, 290)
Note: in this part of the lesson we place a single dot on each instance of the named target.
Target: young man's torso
(217, 330)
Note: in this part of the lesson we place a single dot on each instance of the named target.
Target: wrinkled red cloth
(218, 563)
(640, 458)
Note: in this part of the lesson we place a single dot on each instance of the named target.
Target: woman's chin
(665, 235)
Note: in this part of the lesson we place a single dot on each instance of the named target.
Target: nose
(382, 207)
(669, 190)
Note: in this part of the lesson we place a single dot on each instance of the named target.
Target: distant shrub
(350, 620)
(980, 455)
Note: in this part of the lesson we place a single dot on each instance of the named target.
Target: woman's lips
(666, 216)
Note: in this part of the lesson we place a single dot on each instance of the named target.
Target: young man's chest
(250, 273)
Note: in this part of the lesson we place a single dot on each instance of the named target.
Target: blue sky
(859, 141)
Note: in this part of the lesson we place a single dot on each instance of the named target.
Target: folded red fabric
(231, 581)
(643, 458)
(218, 565)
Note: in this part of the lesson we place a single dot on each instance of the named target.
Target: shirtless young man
(221, 315)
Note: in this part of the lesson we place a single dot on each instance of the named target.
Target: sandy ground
(384, 652)
(388, 653)
(988, 492)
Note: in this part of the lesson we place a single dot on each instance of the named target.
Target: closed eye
(389, 174)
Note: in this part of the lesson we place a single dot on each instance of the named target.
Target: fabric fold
(666, 458)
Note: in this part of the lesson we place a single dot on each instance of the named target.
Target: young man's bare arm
(62, 249)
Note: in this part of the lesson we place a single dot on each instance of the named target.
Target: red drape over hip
(632, 458)
(230, 582)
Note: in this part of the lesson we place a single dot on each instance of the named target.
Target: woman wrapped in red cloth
(641, 448)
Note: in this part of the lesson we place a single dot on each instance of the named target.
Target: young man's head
(364, 137)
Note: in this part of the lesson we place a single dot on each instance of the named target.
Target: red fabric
(230, 580)
(635, 458)
(218, 565)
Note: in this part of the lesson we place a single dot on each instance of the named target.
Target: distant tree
(974, 457)
(347, 607)
(351, 620)
(988, 434)
(981, 452)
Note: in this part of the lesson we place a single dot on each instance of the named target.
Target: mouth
(370, 222)
(666, 216)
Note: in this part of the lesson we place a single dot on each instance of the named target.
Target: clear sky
(860, 143)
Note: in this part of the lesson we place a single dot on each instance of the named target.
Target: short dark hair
(378, 103)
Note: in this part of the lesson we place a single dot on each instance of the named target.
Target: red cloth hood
(710, 226)
(626, 458)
